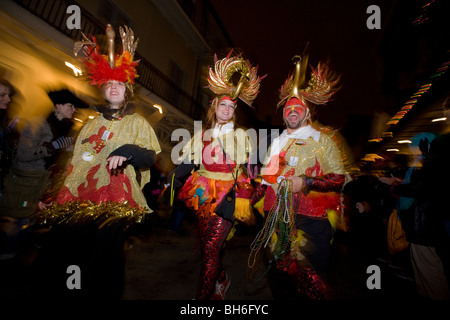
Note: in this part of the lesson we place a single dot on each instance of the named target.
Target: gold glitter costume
(93, 180)
(314, 157)
(299, 226)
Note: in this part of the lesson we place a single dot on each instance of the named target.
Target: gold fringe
(244, 212)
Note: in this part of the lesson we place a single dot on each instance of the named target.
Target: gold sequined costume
(93, 180)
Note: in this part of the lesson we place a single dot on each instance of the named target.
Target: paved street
(163, 265)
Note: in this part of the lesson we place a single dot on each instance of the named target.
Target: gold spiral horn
(243, 81)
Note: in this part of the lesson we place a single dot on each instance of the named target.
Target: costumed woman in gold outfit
(221, 150)
(113, 152)
(102, 193)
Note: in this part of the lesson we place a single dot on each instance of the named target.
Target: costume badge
(293, 161)
(87, 156)
(105, 135)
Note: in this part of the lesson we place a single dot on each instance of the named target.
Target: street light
(76, 70)
(439, 119)
(157, 106)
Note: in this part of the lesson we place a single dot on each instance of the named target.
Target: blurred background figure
(9, 136)
(422, 210)
(61, 148)
(40, 142)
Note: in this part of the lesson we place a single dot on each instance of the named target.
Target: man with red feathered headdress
(302, 178)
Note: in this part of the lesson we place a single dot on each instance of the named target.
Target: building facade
(177, 41)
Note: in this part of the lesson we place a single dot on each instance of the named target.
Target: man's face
(294, 115)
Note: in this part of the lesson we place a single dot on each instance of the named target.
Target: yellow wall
(34, 67)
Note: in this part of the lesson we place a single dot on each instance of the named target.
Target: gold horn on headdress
(103, 68)
(301, 63)
(110, 35)
(128, 43)
(318, 90)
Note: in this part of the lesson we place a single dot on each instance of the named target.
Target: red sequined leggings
(213, 233)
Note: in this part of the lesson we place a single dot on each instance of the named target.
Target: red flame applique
(315, 170)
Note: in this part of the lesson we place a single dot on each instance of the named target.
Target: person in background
(61, 148)
(9, 135)
(423, 212)
(40, 142)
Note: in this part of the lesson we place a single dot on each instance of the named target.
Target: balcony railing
(53, 12)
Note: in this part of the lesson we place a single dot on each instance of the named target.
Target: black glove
(49, 146)
(140, 158)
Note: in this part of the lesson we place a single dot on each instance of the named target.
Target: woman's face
(225, 111)
(114, 92)
(65, 111)
(5, 99)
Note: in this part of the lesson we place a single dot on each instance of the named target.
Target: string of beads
(280, 218)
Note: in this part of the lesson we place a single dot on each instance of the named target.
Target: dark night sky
(270, 33)
(379, 69)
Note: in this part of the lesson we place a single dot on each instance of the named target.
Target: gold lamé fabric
(93, 180)
(206, 187)
(236, 143)
(313, 159)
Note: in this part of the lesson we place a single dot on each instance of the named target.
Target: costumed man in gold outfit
(102, 194)
(302, 178)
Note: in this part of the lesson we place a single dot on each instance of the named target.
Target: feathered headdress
(234, 77)
(318, 90)
(102, 68)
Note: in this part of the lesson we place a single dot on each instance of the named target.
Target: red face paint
(294, 104)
